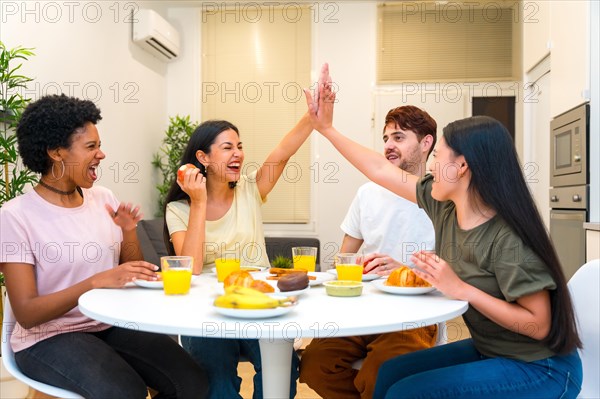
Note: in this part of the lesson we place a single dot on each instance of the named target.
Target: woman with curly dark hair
(66, 237)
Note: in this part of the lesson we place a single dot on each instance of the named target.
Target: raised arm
(272, 168)
(370, 163)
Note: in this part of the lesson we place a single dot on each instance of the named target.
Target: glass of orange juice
(305, 258)
(225, 266)
(349, 266)
(176, 274)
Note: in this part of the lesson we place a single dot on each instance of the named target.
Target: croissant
(405, 277)
(244, 279)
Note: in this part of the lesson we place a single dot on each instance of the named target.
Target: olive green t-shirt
(494, 259)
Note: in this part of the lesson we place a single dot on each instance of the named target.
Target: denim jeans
(457, 370)
(220, 358)
(114, 363)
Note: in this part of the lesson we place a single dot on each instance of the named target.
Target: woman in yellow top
(207, 217)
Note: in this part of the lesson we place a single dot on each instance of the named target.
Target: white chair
(8, 358)
(585, 287)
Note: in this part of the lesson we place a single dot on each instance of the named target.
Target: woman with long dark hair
(493, 251)
(215, 210)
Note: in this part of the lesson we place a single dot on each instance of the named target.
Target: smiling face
(225, 158)
(82, 157)
(447, 169)
(402, 148)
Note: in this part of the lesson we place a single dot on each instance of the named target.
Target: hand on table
(124, 273)
(380, 264)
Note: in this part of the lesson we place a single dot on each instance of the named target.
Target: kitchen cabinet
(562, 29)
(570, 54)
(536, 32)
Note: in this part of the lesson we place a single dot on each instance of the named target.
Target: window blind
(253, 70)
(444, 41)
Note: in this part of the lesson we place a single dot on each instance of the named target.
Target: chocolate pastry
(292, 282)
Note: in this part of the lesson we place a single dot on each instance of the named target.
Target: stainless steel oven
(569, 178)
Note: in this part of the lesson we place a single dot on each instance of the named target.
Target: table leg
(276, 358)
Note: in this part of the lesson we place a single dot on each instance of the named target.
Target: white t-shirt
(238, 232)
(388, 223)
(65, 246)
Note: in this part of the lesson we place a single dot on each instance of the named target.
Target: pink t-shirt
(65, 245)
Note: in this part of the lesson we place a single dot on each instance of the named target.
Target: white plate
(278, 292)
(320, 278)
(253, 313)
(213, 270)
(380, 285)
(155, 284)
(365, 277)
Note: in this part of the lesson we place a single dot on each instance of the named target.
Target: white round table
(317, 315)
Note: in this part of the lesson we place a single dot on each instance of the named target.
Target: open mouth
(392, 156)
(92, 172)
(234, 166)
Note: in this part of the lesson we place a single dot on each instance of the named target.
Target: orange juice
(226, 266)
(349, 272)
(306, 262)
(177, 281)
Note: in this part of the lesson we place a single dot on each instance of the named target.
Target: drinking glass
(349, 266)
(305, 258)
(176, 274)
(225, 266)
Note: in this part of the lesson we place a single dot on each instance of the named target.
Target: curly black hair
(50, 123)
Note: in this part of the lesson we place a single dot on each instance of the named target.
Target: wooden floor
(456, 330)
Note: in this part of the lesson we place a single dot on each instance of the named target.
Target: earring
(62, 163)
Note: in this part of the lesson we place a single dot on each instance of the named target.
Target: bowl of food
(343, 288)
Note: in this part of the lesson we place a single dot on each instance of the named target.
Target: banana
(248, 298)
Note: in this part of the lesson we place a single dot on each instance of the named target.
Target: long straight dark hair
(497, 179)
(201, 139)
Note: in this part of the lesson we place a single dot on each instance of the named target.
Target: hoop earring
(62, 173)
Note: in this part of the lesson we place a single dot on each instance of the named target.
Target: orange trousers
(326, 364)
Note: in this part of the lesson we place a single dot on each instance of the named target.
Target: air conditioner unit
(155, 35)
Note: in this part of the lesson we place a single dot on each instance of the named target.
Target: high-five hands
(320, 107)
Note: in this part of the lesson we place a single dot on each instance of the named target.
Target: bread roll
(244, 279)
(240, 278)
(262, 286)
(405, 277)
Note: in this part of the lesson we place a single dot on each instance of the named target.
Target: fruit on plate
(248, 298)
(182, 169)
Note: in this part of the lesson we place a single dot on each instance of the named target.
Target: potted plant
(14, 177)
(167, 159)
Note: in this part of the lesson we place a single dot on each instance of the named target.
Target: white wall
(344, 35)
(83, 49)
(80, 49)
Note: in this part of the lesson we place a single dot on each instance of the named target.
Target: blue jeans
(457, 370)
(114, 363)
(220, 358)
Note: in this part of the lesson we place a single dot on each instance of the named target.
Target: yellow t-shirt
(239, 232)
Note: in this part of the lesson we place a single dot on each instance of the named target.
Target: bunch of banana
(249, 298)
